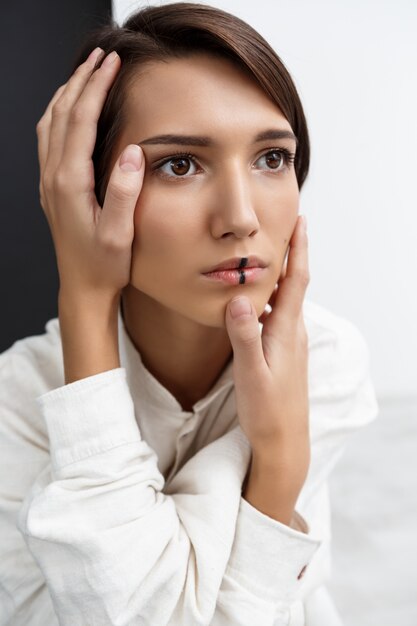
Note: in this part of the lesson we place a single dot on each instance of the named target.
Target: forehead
(200, 92)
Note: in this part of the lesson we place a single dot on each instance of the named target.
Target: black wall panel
(38, 44)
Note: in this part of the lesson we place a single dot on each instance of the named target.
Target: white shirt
(117, 507)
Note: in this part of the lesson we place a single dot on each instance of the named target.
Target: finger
(269, 304)
(116, 224)
(273, 296)
(82, 121)
(43, 128)
(63, 107)
(284, 268)
(264, 316)
(291, 292)
(243, 329)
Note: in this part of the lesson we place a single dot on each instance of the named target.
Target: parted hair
(179, 30)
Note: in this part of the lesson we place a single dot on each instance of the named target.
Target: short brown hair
(158, 33)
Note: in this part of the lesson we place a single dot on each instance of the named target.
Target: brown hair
(158, 33)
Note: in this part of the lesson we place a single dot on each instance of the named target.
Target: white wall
(355, 66)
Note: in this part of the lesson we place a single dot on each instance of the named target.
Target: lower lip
(235, 277)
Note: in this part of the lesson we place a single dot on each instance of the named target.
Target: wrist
(293, 452)
(274, 480)
(89, 334)
(268, 493)
(88, 303)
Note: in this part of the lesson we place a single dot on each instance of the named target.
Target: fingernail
(131, 159)
(110, 58)
(93, 56)
(240, 307)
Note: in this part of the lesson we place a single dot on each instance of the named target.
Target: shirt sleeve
(109, 542)
(113, 545)
(273, 568)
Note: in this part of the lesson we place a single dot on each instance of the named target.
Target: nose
(234, 212)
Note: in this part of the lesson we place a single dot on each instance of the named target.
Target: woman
(167, 441)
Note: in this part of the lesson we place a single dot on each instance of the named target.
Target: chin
(216, 317)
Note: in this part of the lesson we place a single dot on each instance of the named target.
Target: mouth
(237, 263)
(235, 277)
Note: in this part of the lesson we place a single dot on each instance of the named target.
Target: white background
(354, 63)
(355, 66)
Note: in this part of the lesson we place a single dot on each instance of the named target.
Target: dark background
(38, 45)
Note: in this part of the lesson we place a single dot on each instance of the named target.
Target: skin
(232, 201)
(125, 250)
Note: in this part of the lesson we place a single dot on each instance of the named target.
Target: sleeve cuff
(269, 556)
(88, 417)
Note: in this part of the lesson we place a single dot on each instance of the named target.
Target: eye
(178, 166)
(277, 159)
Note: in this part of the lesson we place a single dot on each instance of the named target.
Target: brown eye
(180, 166)
(177, 166)
(274, 159)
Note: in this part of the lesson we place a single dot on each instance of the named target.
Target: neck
(187, 358)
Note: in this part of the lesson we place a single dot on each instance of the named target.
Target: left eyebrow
(196, 140)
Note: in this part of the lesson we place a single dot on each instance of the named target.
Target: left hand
(271, 370)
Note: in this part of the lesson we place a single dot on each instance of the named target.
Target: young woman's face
(205, 201)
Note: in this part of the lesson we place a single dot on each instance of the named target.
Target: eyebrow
(196, 140)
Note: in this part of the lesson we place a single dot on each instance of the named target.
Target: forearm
(89, 335)
(274, 482)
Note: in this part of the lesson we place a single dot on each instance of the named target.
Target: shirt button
(301, 574)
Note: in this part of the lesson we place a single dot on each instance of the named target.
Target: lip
(235, 277)
(233, 264)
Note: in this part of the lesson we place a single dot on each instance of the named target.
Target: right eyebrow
(204, 141)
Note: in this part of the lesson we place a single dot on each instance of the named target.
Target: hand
(271, 370)
(92, 244)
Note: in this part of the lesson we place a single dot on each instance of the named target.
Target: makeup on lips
(241, 274)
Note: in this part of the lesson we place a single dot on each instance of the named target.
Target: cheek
(154, 222)
(165, 263)
(164, 229)
(287, 192)
(279, 220)
(280, 206)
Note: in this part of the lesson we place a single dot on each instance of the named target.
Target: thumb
(125, 183)
(243, 328)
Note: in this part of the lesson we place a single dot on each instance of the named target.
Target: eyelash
(288, 157)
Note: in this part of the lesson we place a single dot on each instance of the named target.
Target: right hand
(93, 244)
(271, 370)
